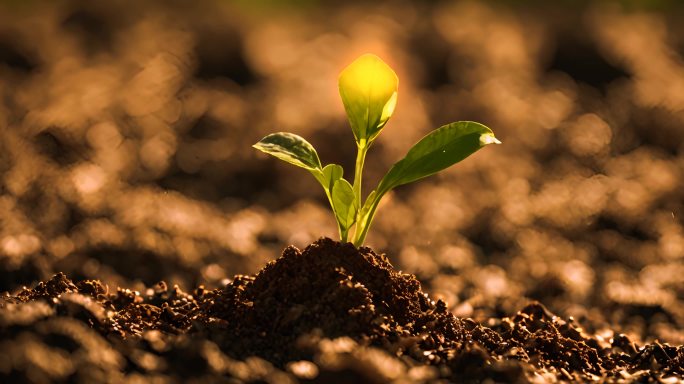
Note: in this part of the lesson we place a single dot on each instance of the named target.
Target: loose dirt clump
(330, 313)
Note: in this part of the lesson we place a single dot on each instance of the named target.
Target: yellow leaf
(368, 88)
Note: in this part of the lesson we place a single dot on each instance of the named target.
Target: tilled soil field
(139, 229)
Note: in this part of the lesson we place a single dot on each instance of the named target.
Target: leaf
(368, 88)
(331, 173)
(440, 149)
(327, 178)
(291, 148)
(344, 203)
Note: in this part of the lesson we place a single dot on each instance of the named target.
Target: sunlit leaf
(438, 150)
(368, 88)
(345, 204)
(331, 173)
(291, 148)
(327, 178)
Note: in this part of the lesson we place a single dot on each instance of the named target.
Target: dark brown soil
(330, 313)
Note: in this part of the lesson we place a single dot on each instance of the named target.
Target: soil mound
(330, 313)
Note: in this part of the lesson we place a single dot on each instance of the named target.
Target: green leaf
(345, 205)
(291, 148)
(327, 178)
(440, 149)
(368, 88)
(332, 173)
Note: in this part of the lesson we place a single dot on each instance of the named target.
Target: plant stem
(362, 149)
(343, 234)
(363, 223)
(358, 170)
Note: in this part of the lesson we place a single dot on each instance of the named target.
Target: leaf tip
(488, 138)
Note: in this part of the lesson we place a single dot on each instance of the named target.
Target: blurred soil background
(126, 132)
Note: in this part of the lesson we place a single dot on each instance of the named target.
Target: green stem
(358, 170)
(364, 223)
(344, 235)
(362, 149)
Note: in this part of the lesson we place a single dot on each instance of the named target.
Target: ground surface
(330, 313)
(125, 158)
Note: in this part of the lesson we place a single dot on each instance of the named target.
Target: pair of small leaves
(436, 151)
(296, 150)
(340, 195)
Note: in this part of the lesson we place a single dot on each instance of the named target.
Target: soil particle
(330, 313)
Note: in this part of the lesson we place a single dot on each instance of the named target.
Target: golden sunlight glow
(368, 88)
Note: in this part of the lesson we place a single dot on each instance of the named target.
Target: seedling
(368, 88)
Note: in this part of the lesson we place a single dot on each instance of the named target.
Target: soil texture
(329, 313)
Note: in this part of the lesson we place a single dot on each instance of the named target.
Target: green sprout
(368, 88)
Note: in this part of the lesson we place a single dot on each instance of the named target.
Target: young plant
(368, 88)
